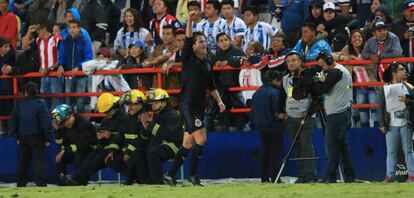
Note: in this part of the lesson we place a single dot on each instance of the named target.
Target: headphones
(326, 57)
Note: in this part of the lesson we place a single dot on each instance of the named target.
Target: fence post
(159, 79)
(15, 86)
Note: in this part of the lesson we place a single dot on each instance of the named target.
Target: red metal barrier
(158, 72)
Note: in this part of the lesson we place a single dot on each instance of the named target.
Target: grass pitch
(375, 190)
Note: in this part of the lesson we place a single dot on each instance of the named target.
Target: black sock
(197, 151)
(181, 155)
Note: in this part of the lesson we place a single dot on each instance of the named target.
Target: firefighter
(133, 157)
(108, 140)
(74, 135)
(165, 131)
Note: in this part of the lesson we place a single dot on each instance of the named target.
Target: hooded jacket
(65, 32)
(320, 19)
(73, 51)
(318, 45)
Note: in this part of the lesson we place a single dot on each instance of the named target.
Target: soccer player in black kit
(197, 78)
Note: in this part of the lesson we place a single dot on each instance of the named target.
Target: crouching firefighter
(74, 135)
(108, 140)
(165, 130)
(132, 161)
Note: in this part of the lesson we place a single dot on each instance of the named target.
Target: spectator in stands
(194, 6)
(334, 23)
(162, 18)
(395, 121)
(57, 12)
(363, 12)
(163, 52)
(212, 25)
(404, 29)
(267, 117)
(249, 77)
(257, 30)
(134, 60)
(73, 14)
(37, 12)
(132, 30)
(309, 45)
(47, 44)
(8, 24)
(369, 22)
(74, 50)
(147, 13)
(7, 59)
(294, 14)
(316, 12)
(31, 124)
(362, 74)
(95, 22)
(278, 49)
(296, 111)
(235, 26)
(113, 18)
(227, 79)
(383, 44)
(20, 8)
(342, 7)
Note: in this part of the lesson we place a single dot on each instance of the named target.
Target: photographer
(267, 117)
(296, 111)
(336, 85)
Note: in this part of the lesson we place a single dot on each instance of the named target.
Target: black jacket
(228, 78)
(113, 125)
(94, 19)
(166, 128)
(81, 137)
(31, 116)
(132, 132)
(399, 28)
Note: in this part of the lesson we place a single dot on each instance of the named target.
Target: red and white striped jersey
(156, 27)
(48, 51)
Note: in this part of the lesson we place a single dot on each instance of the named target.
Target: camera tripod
(315, 107)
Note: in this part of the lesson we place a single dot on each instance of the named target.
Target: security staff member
(108, 140)
(133, 157)
(30, 122)
(197, 78)
(165, 131)
(337, 87)
(267, 116)
(75, 137)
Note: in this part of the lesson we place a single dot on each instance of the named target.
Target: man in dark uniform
(75, 136)
(30, 121)
(197, 78)
(165, 131)
(133, 158)
(108, 140)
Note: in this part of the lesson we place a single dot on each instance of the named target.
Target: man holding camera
(336, 85)
(296, 111)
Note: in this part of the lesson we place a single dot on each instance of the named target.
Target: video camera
(304, 82)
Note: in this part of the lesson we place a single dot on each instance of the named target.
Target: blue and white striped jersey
(262, 33)
(236, 28)
(211, 30)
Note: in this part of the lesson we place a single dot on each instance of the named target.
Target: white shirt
(249, 78)
(211, 30)
(398, 122)
(124, 39)
(261, 33)
(236, 28)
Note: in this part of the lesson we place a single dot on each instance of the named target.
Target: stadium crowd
(276, 38)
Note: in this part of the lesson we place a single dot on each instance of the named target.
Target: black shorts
(192, 116)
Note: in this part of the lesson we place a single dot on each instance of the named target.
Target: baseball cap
(329, 6)
(137, 43)
(408, 4)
